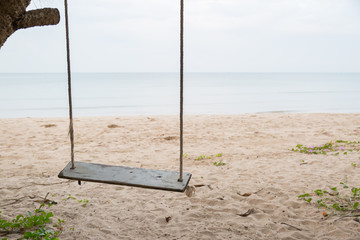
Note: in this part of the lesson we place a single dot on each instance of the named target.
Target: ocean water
(116, 94)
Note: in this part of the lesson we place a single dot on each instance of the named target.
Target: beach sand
(261, 174)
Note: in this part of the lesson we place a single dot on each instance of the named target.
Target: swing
(120, 175)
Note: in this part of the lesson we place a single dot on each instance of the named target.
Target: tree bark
(13, 16)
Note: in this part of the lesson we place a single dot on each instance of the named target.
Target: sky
(220, 36)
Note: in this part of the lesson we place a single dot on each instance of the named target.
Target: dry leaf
(245, 194)
(247, 213)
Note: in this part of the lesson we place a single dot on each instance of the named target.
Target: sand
(261, 175)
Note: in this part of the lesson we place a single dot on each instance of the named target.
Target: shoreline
(187, 115)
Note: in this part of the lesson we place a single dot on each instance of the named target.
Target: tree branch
(39, 17)
(13, 16)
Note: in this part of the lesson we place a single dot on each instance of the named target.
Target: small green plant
(69, 197)
(355, 191)
(202, 157)
(335, 148)
(334, 201)
(219, 163)
(33, 225)
(59, 224)
(83, 202)
(320, 192)
(344, 185)
(306, 197)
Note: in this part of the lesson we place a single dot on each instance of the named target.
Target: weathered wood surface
(136, 177)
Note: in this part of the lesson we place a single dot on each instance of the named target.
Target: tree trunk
(13, 16)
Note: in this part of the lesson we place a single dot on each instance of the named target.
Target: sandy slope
(259, 164)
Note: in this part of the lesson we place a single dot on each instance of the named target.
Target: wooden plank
(129, 176)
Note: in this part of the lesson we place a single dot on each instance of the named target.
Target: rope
(71, 127)
(181, 86)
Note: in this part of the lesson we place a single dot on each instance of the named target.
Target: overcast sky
(220, 36)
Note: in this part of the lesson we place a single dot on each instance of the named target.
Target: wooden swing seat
(129, 176)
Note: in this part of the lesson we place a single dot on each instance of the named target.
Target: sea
(122, 94)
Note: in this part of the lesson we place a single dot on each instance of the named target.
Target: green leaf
(355, 191)
(303, 195)
(336, 206)
(319, 192)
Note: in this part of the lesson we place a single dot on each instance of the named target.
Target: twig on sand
(46, 197)
(17, 200)
(44, 201)
(4, 233)
(357, 215)
(41, 184)
(299, 229)
(259, 190)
